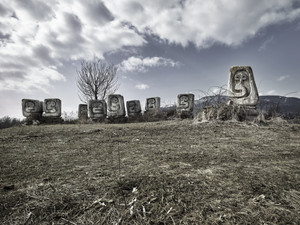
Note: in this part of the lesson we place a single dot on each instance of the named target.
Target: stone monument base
(135, 118)
(33, 119)
(185, 115)
(52, 120)
(96, 120)
(122, 119)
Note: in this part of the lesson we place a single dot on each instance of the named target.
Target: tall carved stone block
(82, 112)
(116, 106)
(32, 108)
(97, 109)
(242, 89)
(152, 104)
(134, 108)
(185, 105)
(52, 107)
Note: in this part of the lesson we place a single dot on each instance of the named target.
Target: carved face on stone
(132, 107)
(151, 103)
(184, 101)
(242, 87)
(241, 84)
(83, 109)
(115, 104)
(97, 107)
(30, 107)
(51, 106)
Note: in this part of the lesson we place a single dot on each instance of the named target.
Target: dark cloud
(134, 7)
(3, 10)
(98, 12)
(43, 53)
(9, 65)
(37, 9)
(4, 36)
(73, 22)
(15, 75)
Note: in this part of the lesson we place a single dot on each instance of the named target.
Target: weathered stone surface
(52, 107)
(242, 89)
(97, 109)
(133, 108)
(32, 108)
(82, 112)
(115, 106)
(152, 104)
(185, 105)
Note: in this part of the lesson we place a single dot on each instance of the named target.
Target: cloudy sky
(162, 47)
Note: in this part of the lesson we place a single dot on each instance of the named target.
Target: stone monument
(242, 90)
(32, 109)
(152, 105)
(185, 105)
(97, 110)
(134, 110)
(83, 112)
(116, 107)
(52, 110)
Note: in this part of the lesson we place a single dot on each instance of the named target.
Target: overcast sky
(162, 47)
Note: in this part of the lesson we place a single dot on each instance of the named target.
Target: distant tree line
(6, 122)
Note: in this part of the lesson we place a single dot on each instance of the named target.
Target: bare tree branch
(96, 79)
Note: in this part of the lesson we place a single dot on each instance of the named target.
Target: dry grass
(173, 172)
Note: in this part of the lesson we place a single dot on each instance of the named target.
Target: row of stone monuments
(37, 111)
(242, 91)
(114, 108)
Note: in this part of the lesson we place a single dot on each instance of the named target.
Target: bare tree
(96, 79)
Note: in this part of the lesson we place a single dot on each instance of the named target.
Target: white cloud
(37, 36)
(203, 22)
(271, 92)
(140, 64)
(142, 86)
(283, 77)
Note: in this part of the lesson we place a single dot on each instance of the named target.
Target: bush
(6, 122)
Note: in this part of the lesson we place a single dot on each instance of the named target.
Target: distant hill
(285, 104)
(281, 104)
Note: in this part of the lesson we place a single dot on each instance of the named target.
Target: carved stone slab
(32, 108)
(242, 89)
(185, 104)
(52, 107)
(97, 109)
(115, 106)
(152, 104)
(133, 108)
(82, 112)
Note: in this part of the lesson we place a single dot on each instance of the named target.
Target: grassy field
(171, 172)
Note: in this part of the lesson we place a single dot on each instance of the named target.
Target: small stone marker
(134, 110)
(82, 112)
(32, 109)
(116, 106)
(52, 111)
(52, 107)
(242, 89)
(152, 104)
(185, 105)
(97, 109)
